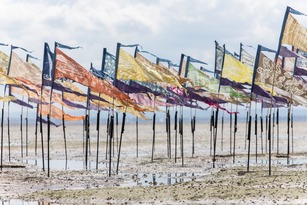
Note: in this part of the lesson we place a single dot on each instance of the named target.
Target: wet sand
(161, 181)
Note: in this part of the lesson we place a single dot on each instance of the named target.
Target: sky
(166, 28)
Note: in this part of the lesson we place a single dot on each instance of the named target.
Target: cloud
(166, 28)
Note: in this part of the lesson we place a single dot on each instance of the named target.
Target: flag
(247, 59)
(4, 62)
(283, 80)
(219, 59)
(47, 65)
(66, 67)
(294, 34)
(7, 98)
(236, 71)
(26, 72)
(108, 65)
(57, 113)
(129, 69)
(164, 75)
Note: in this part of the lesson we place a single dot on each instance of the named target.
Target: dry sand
(161, 181)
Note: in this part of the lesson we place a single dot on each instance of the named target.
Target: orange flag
(57, 113)
(66, 67)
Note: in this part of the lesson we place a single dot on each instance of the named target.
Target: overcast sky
(166, 28)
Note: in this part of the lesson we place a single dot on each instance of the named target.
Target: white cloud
(167, 28)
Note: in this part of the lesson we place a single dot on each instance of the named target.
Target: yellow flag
(129, 69)
(4, 62)
(7, 98)
(234, 70)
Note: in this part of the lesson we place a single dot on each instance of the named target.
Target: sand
(161, 181)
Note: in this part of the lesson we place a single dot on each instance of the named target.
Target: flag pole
(120, 140)
(98, 133)
(175, 128)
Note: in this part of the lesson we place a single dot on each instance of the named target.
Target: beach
(142, 179)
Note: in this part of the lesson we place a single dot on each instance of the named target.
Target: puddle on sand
(75, 165)
(22, 202)
(152, 179)
(275, 161)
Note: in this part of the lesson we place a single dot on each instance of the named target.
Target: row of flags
(134, 84)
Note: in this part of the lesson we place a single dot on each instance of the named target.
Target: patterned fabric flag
(25, 72)
(287, 85)
(294, 34)
(234, 70)
(109, 66)
(4, 62)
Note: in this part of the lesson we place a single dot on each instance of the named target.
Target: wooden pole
(137, 136)
(111, 132)
(153, 136)
(2, 116)
(277, 125)
(181, 136)
(175, 128)
(215, 137)
(222, 134)
(246, 129)
(48, 145)
(230, 131)
(108, 133)
(211, 131)
(234, 134)
(288, 133)
(21, 137)
(42, 140)
(120, 140)
(86, 140)
(97, 129)
(65, 144)
(249, 141)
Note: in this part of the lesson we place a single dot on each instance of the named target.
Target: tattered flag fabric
(247, 59)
